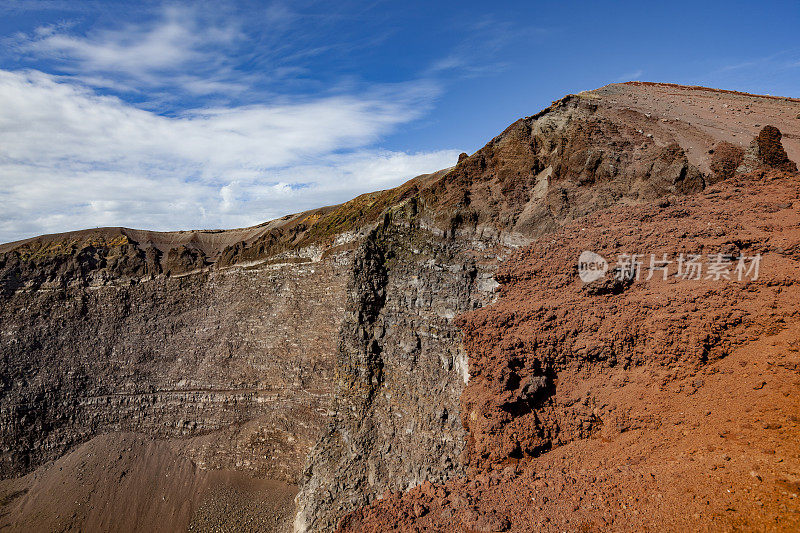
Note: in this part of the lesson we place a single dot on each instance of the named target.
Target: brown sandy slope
(700, 116)
(670, 405)
(128, 482)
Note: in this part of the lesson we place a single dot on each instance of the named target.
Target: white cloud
(140, 55)
(169, 43)
(70, 158)
(630, 76)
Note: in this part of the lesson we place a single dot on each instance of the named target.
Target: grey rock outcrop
(401, 369)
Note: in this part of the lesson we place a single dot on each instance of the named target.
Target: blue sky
(203, 115)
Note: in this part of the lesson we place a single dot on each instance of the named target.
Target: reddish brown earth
(651, 405)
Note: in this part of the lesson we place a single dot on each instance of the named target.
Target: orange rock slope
(634, 404)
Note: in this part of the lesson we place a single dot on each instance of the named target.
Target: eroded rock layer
(238, 361)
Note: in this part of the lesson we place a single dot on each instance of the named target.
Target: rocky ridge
(584, 152)
(342, 317)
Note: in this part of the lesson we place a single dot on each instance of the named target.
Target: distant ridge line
(709, 89)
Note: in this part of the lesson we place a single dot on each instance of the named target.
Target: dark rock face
(771, 151)
(184, 259)
(237, 362)
(401, 370)
(726, 159)
(766, 152)
(72, 264)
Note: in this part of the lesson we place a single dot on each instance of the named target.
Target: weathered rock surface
(400, 369)
(244, 347)
(670, 404)
(236, 360)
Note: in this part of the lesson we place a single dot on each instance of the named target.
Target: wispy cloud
(767, 74)
(485, 38)
(177, 48)
(70, 158)
(170, 43)
(737, 66)
(780, 59)
(634, 75)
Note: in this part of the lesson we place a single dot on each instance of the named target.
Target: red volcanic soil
(642, 405)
